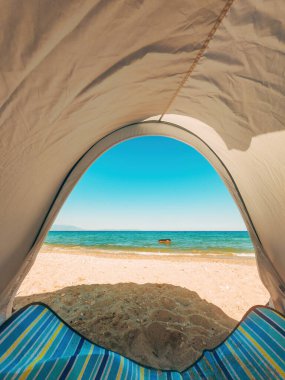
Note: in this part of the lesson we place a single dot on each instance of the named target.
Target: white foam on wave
(192, 254)
(245, 254)
(157, 253)
(146, 253)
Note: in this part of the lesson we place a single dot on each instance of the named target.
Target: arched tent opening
(69, 279)
(73, 73)
(147, 128)
(221, 63)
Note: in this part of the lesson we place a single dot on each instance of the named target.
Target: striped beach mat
(37, 344)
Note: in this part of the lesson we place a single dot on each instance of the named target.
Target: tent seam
(199, 54)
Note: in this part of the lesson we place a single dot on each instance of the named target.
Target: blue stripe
(15, 320)
(208, 356)
(221, 364)
(115, 365)
(31, 338)
(273, 334)
(270, 344)
(153, 375)
(102, 366)
(199, 370)
(71, 360)
(65, 357)
(10, 339)
(168, 376)
(95, 357)
(232, 364)
(248, 356)
(261, 362)
(277, 318)
(272, 323)
(262, 339)
(57, 353)
(193, 374)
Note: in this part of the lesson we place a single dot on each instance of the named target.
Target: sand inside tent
(161, 325)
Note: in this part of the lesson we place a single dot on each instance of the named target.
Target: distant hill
(63, 227)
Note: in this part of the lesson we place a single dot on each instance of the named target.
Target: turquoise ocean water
(146, 242)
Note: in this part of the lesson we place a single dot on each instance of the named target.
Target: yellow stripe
(265, 354)
(27, 371)
(142, 372)
(210, 369)
(118, 377)
(246, 370)
(208, 364)
(24, 333)
(86, 362)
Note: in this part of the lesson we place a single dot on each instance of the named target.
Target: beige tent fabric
(238, 89)
(74, 71)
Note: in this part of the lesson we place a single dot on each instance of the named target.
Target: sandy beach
(161, 311)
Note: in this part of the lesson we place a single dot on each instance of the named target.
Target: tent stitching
(199, 54)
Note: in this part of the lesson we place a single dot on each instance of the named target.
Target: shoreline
(248, 258)
(233, 284)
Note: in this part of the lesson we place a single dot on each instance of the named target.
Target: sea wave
(145, 252)
(245, 254)
(141, 242)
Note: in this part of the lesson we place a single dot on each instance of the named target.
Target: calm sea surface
(143, 242)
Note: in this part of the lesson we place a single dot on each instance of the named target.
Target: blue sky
(151, 183)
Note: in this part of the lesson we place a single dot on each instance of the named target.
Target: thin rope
(200, 54)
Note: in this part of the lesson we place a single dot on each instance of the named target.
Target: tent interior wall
(78, 77)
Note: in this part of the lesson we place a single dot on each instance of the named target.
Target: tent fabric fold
(73, 73)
